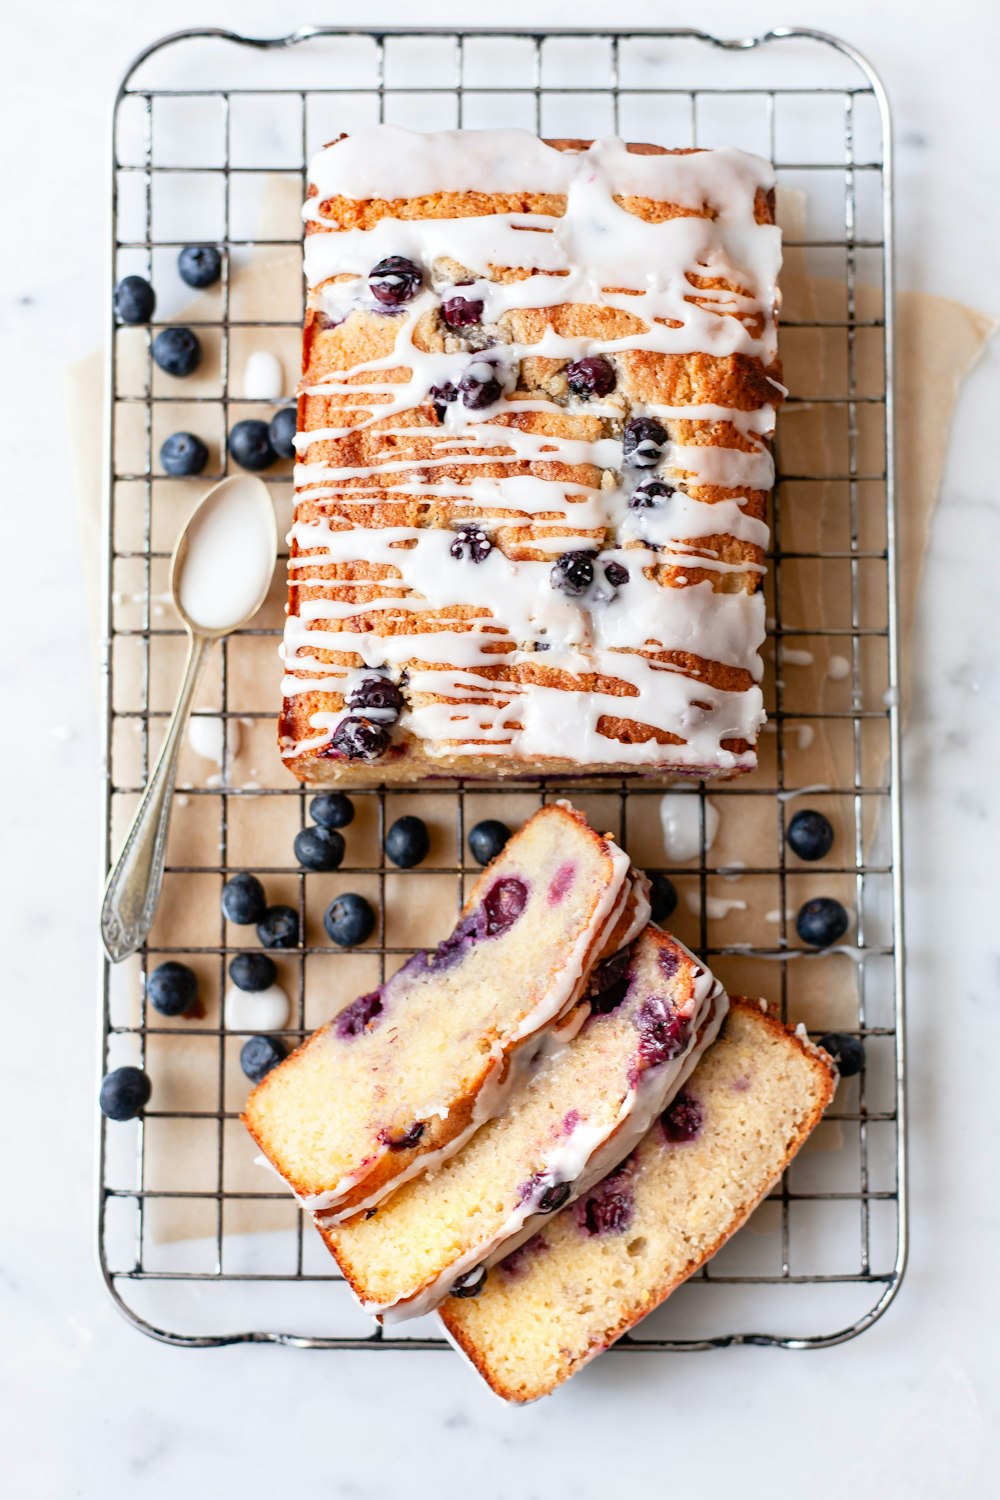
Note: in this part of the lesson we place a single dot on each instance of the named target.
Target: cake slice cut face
(539, 388)
(403, 1076)
(651, 1011)
(599, 1266)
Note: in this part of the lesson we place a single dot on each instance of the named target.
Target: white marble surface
(89, 1407)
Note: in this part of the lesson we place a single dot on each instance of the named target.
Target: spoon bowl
(220, 574)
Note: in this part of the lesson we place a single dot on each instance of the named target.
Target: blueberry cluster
(375, 704)
(177, 351)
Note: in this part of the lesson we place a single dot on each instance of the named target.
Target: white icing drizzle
(507, 1058)
(587, 1155)
(588, 249)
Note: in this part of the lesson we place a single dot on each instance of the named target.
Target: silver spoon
(219, 577)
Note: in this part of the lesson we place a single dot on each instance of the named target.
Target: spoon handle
(133, 888)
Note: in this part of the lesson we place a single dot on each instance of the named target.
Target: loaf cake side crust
(425, 538)
(600, 1267)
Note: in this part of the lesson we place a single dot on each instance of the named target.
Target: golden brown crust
(825, 1080)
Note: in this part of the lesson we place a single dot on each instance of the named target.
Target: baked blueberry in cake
(591, 1272)
(532, 473)
(579, 1109)
(404, 1075)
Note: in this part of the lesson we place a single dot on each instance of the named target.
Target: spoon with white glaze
(219, 577)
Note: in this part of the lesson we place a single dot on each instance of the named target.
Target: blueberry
(461, 312)
(442, 396)
(134, 299)
(486, 840)
(332, 810)
(406, 1141)
(359, 739)
(471, 1284)
(125, 1093)
(503, 904)
(183, 454)
(199, 265)
(809, 834)
(243, 899)
(643, 442)
(479, 386)
(616, 575)
(250, 445)
(319, 848)
(407, 842)
(177, 351)
(848, 1052)
(822, 922)
(662, 898)
(594, 376)
(172, 989)
(471, 544)
(663, 1033)
(349, 920)
(647, 495)
(378, 693)
(573, 573)
(252, 972)
(259, 1054)
(279, 927)
(609, 983)
(394, 281)
(281, 431)
(682, 1120)
(554, 1197)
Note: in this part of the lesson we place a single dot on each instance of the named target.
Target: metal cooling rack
(814, 106)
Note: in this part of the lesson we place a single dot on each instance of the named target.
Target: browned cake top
(538, 392)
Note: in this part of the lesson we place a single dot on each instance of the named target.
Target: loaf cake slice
(595, 1269)
(538, 393)
(651, 1011)
(401, 1078)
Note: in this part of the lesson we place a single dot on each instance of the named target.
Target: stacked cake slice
(651, 1012)
(529, 1127)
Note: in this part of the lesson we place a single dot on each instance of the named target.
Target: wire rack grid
(832, 1248)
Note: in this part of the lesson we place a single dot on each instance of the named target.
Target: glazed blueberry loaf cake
(590, 1273)
(401, 1078)
(539, 387)
(651, 1010)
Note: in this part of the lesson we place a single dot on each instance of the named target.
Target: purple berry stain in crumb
(561, 882)
(593, 376)
(663, 1033)
(682, 1120)
(461, 312)
(471, 544)
(515, 1265)
(503, 904)
(404, 1141)
(609, 983)
(570, 1121)
(669, 962)
(741, 1085)
(361, 1015)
